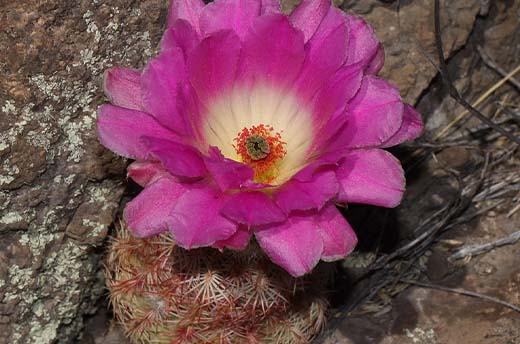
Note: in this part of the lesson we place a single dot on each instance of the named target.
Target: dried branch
(464, 292)
(474, 250)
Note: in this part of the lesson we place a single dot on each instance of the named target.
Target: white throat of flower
(239, 111)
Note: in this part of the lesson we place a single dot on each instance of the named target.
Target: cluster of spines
(161, 293)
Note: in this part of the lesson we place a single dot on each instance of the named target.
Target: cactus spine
(161, 293)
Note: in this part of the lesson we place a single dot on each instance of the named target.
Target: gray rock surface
(59, 189)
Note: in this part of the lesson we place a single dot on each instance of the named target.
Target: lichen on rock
(59, 190)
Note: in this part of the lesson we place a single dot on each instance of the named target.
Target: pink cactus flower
(253, 122)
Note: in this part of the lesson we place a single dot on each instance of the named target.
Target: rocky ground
(60, 190)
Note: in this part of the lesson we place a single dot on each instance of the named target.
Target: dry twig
(464, 292)
(474, 250)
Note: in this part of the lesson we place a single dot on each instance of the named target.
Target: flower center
(257, 147)
(261, 148)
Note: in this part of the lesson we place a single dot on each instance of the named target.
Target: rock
(59, 189)
(498, 35)
(406, 30)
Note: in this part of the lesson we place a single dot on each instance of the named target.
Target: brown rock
(407, 36)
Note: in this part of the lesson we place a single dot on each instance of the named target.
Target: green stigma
(257, 147)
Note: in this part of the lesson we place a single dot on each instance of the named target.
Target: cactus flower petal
(254, 122)
(213, 63)
(145, 173)
(376, 102)
(326, 52)
(180, 159)
(237, 241)
(192, 230)
(160, 85)
(149, 212)
(180, 36)
(363, 46)
(271, 6)
(411, 127)
(253, 208)
(308, 15)
(122, 87)
(296, 244)
(188, 10)
(121, 130)
(371, 176)
(285, 54)
(227, 173)
(229, 15)
(312, 194)
(338, 237)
